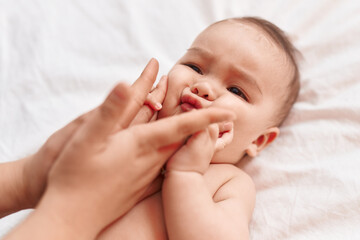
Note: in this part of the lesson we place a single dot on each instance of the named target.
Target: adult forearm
(12, 189)
(42, 226)
(57, 219)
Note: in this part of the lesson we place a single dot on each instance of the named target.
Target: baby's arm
(191, 210)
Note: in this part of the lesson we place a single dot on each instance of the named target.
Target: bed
(59, 58)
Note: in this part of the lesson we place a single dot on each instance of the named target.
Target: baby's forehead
(268, 42)
(238, 30)
(258, 38)
(248, 29)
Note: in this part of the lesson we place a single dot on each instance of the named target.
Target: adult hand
(27, 177)
(104, 168)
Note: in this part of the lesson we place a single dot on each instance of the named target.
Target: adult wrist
(79, 218)
(48, 222)
(13, 194)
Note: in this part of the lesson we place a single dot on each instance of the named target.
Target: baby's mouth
(188, 103)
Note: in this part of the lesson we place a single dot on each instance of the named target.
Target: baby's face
(232, 66)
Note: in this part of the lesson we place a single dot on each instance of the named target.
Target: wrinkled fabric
(59, 58)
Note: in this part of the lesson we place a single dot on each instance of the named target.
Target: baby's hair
(281, 39)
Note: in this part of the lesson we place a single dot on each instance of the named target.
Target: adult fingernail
(227, 126)
(158, 106)
(153, 63)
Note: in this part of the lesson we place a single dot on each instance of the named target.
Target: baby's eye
(238, 92)
(195, 68)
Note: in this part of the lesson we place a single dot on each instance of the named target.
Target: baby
(246, 65)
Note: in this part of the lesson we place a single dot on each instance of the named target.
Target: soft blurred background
(59, 58)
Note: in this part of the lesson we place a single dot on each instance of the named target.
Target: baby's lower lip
(187, 107)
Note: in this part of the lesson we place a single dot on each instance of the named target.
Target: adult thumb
(105, 118)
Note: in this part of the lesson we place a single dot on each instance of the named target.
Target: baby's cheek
(177, 81)
(180, 77)
(231, 154)
(170, 105)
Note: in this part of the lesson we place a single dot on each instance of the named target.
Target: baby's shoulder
(225, 172)
(228, 181)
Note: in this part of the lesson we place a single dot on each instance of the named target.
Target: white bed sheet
(59, 58)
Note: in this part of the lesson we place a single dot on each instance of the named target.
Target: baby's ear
(262, 141)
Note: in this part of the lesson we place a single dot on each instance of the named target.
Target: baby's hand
(226, 134)
(196, 154)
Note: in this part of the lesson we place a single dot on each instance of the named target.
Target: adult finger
(58, 140)
(139, 91)
(155, 97)
(105, 118)
(36, 168)
(175, 129)
(153, 187)
(147, 78)
(119, 108)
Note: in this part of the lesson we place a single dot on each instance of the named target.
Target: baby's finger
(213, 132)
(225, 136)
(201, 145)
(196, 154)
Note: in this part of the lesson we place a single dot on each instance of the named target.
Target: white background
(59, 58)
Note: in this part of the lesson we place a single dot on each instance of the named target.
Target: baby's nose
(204, 90)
